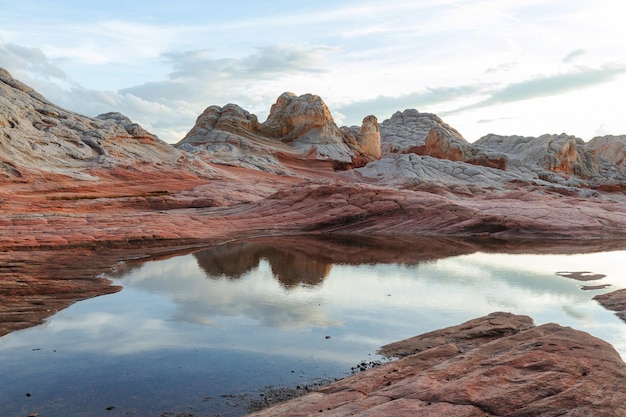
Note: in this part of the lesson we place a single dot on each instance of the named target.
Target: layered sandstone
(37, 135)
(74, 190)
(298, 127)
(73, 180)
(497, 365)
(615, 301)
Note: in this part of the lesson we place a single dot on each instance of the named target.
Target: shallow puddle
(202, 334)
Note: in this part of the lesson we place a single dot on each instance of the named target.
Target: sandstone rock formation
(611, 148)
(108, 174)
(37, 135)
(498, 365)
(70, 181)
(408, 130)
(74, 187)
(298, 127)
(564, 154)
(615, 301)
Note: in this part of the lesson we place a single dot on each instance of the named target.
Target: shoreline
(496, 365)
(37, 283)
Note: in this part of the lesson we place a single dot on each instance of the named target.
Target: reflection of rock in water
(581, 275)
(297, 260)
(297, 269)
(231, 259)
(290, 268)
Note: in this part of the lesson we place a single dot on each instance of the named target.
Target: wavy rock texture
(74, 187)
(298, 128)
(73, 180)
(497, 365)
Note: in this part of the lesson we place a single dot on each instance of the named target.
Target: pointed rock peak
(369, 136)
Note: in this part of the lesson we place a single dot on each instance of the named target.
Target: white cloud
(169, 107)
(32, 60)
(366, 57)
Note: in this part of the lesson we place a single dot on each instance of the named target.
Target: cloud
(502, 68)
(16, 58)
(487, 121)
(572, 56)
(545, 86)
(197, 75)
(386, 105)
(169, 107)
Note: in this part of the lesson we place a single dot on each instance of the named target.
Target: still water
(201, 334)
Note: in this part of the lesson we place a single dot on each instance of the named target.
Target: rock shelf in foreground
(497, 365)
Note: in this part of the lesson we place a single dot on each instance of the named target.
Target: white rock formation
(298, 127)
(408, 129)
(37, 136)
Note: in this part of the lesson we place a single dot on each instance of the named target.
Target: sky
(526, 67)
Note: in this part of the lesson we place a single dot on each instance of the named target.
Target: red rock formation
(69, 181)
(498, 365)
(615, 301)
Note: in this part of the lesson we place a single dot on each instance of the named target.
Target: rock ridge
(89, 185)
(300, 126)
(39, 139)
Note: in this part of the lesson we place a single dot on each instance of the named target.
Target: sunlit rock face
(611, 148)
(297, 128)
(557, 153)
(562, 160)
(41, 142)
(408, 130)
(440, 144)
(37, 136)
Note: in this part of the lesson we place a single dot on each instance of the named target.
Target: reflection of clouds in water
(574, 312)
(610, 264)
(178, 303)
(501, 303)
(255, 294)
(445, 283)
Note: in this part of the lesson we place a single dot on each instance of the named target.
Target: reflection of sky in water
(171, 307)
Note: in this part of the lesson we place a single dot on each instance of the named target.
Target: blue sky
(509, 67)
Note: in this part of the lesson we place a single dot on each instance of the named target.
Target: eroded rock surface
(498, 365)
(407, 130)
(43, 145)
(615, 301)
(298, 127)
(70, 181)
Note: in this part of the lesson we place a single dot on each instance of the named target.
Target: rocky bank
(104, 189)
(497, 365)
